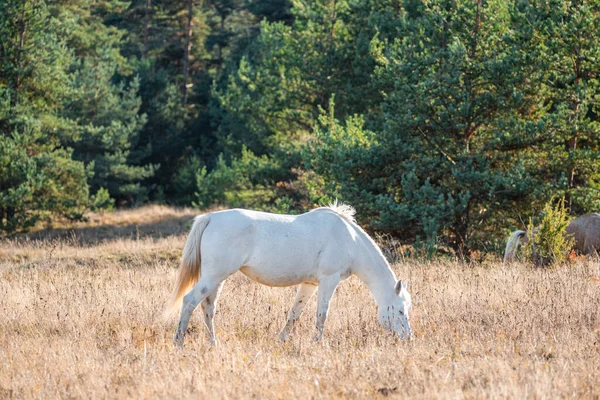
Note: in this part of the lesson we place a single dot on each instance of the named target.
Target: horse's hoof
(178, 342)
(317, 338)
(283, 336)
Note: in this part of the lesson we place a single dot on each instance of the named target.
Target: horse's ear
(405, 285)
(398, 287)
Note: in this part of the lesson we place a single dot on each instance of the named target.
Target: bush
(242, 183)
(101, 201)
(185, 183)
(551, 244)
(38, 181)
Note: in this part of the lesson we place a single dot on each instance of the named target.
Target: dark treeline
(443, 122)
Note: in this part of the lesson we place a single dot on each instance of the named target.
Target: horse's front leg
(199, 292)
(327, 287)
(304, 293)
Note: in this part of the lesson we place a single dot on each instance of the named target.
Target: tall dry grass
(81, 319)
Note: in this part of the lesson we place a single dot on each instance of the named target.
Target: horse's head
(395, 315)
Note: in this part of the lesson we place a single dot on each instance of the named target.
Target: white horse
(316, 249)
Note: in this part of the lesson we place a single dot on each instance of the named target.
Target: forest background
(444, 123)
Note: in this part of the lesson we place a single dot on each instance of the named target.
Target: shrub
(551, 244)
(101, 201)
(241, 183)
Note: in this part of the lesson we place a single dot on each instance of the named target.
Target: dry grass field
(81, 317)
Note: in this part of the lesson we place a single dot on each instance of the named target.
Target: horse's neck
(372, 268)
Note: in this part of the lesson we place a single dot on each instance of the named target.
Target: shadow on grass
(89, 235)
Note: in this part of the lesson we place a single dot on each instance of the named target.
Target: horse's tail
(189, 269)
(511, 246)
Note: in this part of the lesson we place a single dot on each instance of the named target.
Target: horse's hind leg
(209, 306)
(304, 293)
(198, 294)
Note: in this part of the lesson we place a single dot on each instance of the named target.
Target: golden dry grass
(151, 220)
(82, 318)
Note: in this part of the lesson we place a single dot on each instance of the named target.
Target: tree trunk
(572, 146)
(17, 83)
(219, 47)
(476, 29)
(188, 46)
(147, 26)
(469, 130)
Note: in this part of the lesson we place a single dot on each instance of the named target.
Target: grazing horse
(585, 231)
(313, 250)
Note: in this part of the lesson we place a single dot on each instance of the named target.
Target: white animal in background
(585, 231)
(313, 250)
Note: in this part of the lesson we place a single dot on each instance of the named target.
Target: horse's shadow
(91, 235)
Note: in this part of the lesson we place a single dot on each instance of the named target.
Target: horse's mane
(344, 210)
(348, 212)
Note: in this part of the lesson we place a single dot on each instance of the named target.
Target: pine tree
(37, 175)
(109, 127)
(434, 162)
(564, 152)
(104, 102)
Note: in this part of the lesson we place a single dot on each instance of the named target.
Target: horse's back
(316, 225)
(586, 231)
(279, 250)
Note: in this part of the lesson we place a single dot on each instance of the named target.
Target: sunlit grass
(84, 320)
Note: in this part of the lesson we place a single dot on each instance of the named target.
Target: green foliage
(272, 98)
(452, 119)
(104, 103)
(38, 176)
(550, 245)
(466, 135)
(186, 182)
(274, 93)
(559, 141)
(444, 164)
(101, 201)
(109, 126)
(33, 61)
(36, 181)
(238, 184)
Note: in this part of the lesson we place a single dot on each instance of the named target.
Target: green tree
(562, 38)
(104, 101)
(109, 124)
(272, 96)
(37, 181)
(37, 175)
(435, 164)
